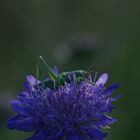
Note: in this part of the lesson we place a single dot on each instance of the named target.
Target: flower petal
(40, 135)
(74, 137)
(18, 106)
(96, 134)
(31, 80)
(102, 79)
(108, 91)
(21, 123)
(106, 121)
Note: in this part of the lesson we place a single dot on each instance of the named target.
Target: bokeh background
(73, 34)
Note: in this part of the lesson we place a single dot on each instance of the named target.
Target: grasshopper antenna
(51, 72)
(37, 70)
(90, 69)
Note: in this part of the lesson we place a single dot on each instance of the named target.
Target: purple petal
(21, 123)
(18, 107)
(27, 87)
(102, 79)
(24, 95)
(74, 137)
(96, 134)
(106, 121)
(31, 80)
(107, 92)
(116, 98)
(57, 134)
(40, 135)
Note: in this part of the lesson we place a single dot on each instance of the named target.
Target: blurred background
(72, 35)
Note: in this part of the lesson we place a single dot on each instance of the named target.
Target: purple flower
(75, 111)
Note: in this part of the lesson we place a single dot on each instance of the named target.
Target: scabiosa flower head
(74, 111)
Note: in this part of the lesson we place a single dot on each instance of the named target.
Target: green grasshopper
(58, 79)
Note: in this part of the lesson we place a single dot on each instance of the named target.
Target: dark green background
(72, 34)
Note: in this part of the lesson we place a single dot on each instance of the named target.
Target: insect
(57, 79)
